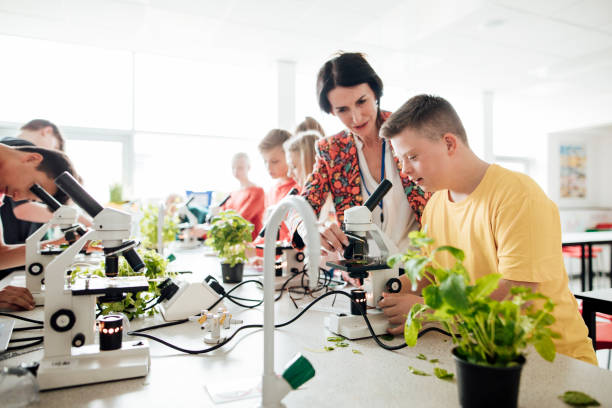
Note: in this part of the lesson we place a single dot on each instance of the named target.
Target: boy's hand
(16, 298)
(396, 307)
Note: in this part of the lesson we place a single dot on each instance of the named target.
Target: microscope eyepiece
(45, 197)
(378, 194)
(73, 189)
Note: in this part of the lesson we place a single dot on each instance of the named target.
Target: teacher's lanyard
(382, 177)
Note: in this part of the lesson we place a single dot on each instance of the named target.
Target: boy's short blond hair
(432, 115)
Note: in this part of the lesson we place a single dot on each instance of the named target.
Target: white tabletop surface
(580, 237)
(374, 378)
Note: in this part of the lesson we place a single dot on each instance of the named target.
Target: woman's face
(356, 107)
(295, 169)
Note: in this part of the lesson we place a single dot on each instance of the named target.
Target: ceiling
(494, 45)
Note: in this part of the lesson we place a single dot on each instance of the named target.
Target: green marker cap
(298, 371)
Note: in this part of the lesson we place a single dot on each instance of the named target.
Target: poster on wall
(573, 171)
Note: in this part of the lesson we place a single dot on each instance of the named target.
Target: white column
(487, 115)
(286, 94)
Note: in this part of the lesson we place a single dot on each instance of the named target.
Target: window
(204, 98)
(167, 163)
(64, 83)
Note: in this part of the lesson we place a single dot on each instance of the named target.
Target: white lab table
(374, 378)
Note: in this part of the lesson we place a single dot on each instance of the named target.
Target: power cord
(25, 319)
(206, 350)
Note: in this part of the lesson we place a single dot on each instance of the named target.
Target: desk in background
(592, 302)
(586, 240)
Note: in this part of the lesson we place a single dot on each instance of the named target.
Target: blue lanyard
(382, 176)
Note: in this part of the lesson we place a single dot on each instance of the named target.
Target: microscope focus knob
(393, 285)
(35, 268)
(78, 340)
(300, 257)
(62, 320)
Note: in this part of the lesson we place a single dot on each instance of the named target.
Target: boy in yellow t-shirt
(501, 219)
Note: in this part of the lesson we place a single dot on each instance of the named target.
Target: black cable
(25, 319)
(174, 323)
(21, 340)
(28, 328)
(35, 343)
(202, 351)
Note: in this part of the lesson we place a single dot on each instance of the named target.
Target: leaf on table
(579, 399)
(417, 372)
(421, 356)
(443, 374)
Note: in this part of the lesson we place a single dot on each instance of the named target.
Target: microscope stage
(357, 266)
(110, 286)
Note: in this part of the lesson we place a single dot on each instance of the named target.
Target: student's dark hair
(38, 124)
(347, 69)
(274, 138)
(53, 164)
(432, 115)
(309, 123)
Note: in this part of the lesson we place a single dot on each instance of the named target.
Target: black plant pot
(487, 386)
(232, 274)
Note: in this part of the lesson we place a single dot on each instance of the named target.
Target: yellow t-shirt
(508, 225)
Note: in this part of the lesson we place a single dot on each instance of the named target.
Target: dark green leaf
(578, 399)
(421, 356)
(336, 338)
(342, 344)
(434, 360)
(453, 292)
(485, 286)
(417, 372)
(443, 374)
(455, 252)
(432, 297)
(328, 348)
(386, 337)
(545, 347)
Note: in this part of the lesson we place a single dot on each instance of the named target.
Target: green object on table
(298, 371)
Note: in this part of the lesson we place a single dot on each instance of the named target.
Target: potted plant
(149, 225)
(490, 336)
(228, 236)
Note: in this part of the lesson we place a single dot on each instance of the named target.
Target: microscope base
(89, 365)
(39, 298)
(354, 327)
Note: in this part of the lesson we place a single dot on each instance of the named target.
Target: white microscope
(71, 357)
(376, 275)
(189, 240)
(37, 258)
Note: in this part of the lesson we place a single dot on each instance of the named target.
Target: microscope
(38, 258)
(376, 275)
(289, 260)
(189, 241)
(71, 356)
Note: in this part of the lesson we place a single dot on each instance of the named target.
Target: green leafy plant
(228, 236)
(116, 193)
(148, 227)
(486, 331)
(156, 268)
